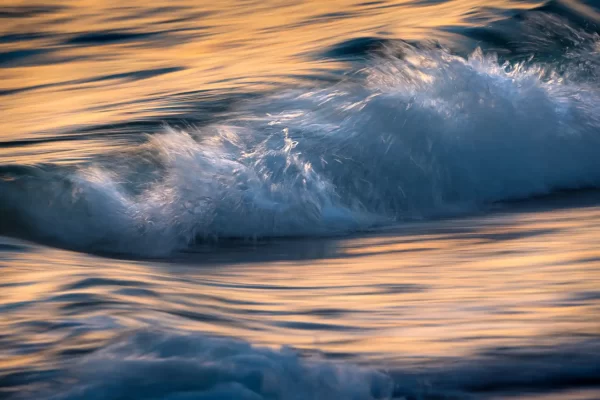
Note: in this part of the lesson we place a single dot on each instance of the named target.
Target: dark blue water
(299, 200)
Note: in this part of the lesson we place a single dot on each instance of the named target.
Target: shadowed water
(299, 200)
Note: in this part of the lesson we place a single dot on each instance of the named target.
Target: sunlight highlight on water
(299, 199)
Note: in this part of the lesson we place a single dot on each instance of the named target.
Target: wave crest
(415, 136)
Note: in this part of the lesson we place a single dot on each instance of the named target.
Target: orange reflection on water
(103, 62)
(439, 289)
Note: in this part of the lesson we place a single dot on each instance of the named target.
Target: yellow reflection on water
(81, 77)
(439, 289)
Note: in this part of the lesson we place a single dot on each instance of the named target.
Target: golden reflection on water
(442, 289)
(184, 46)
(429, 291)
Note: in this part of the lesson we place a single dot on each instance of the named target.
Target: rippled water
(299, 200)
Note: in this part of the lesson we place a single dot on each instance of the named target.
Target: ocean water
(299, 199)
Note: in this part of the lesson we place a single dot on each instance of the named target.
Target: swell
(150, 364)
(415, 133)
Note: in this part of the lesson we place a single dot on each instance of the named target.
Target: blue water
(403, 195)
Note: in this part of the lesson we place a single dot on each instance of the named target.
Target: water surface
(299, 200)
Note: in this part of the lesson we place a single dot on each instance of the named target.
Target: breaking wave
(419, 132)
(155, 364)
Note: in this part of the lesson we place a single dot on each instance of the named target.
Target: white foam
(408, 137)
(158, 365)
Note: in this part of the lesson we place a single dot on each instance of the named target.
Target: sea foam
(416, 134)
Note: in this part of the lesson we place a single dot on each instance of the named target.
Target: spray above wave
(410, 137)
